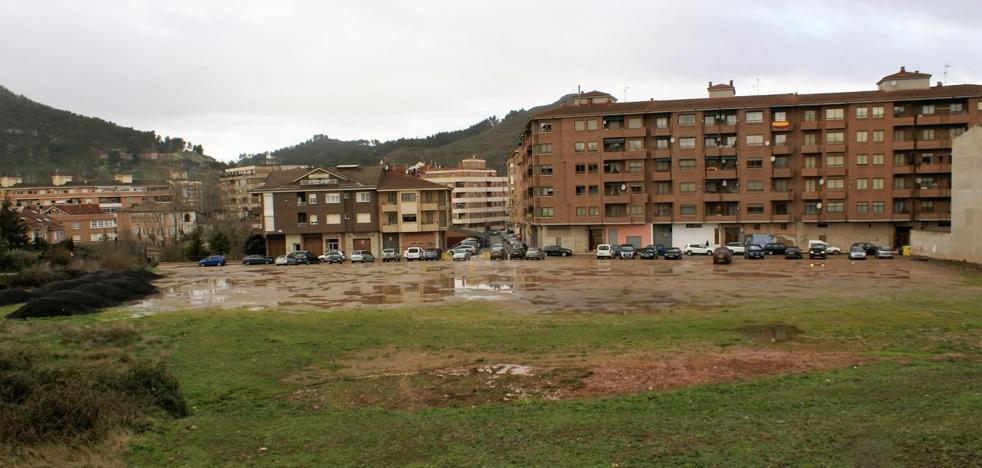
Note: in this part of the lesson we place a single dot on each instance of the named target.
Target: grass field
(877, 382)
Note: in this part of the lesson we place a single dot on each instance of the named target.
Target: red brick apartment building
(842, 167)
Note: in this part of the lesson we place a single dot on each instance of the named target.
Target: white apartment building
(480, 195)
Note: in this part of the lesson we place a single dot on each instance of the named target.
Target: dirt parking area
(578, 283)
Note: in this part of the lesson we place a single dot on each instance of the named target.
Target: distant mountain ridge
(37, 140)
(491, 139)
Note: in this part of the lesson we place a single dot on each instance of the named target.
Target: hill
(492, 139)
(36, 140)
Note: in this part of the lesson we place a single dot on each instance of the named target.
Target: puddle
(777, 333)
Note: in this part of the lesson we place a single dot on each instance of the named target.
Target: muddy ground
(579, 283)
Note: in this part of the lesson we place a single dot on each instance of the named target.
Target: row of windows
(314, 220)
(311, 198)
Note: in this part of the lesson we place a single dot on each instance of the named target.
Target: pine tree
(13, 231)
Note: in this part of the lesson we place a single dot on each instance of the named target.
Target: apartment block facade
(84, 223)
(319, 210)
(480, 195)
(237, 184)
(110, 195)
(842, 167)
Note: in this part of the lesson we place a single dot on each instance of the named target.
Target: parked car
(660, 249)
(673, 253)
(722, 255)
(256, 260)
(792, 253)
(736, 248)
(431, 254)
(829, 249)
(214, 260)
(535, 253)
(332, 257)
(517, 252)
(284, 260)
(627, 252)
(698, 249)
(869, 248)
(362, 256)
(498, 251)
(648, 253)
(390, 255)
(817, 251)
(341, 254)
(605, 251)
(615, 250)
(557, 251)
(304, 257)
(884, 251)
(857, 252)
(461, 254)
(774, 248)
(414, 253)
(754, 251)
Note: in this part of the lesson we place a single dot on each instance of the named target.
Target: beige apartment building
(110, 196)
(480, 195)
(842, 167)
(237, 184)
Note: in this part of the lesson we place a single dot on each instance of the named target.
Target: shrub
(86, 294)
(59, 255)
(117, 255)
(14, 296)
(38, 276)
(17, 260)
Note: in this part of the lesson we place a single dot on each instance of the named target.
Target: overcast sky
(250, 76)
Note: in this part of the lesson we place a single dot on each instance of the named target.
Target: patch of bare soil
(411, 379)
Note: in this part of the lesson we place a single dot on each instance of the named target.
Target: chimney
(721, 90)
(58, 180)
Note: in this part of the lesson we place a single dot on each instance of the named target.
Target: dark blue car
(214, 260)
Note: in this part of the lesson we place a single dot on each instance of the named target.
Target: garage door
(362, 244)
(312, 243)
(275, 245)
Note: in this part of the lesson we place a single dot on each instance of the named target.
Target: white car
(461, 254)
(605, 251)
(857, 253)
(698, 249)
(736, 248)
(414, 253)
(829, 249)
(362, 256)
(323, 258)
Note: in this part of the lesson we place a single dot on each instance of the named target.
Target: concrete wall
(964, 242)
(575, 238)
(842, 235)
(682, 235)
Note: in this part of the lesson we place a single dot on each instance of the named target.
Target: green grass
(918, 401)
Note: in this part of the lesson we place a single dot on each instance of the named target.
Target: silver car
(857, 253)
(884, 251)
(461, 254)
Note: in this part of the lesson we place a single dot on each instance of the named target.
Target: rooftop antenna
(625, 92)
(946, 67)
(578, 90)
(757, 85)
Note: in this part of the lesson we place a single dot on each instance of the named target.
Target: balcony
(721, 151)
(933, 144)
(661, 153)
(933, 192)
(754, 218)
(662, 197)
(903, 121)
(714, 174)
(943, 119)
(662, 131)
(622, 198)
(625, 132)
(782, 149)
(809, 125)
(809, 218)
(834, 148)
(833, 171)
(810, 171)
(390, 207)
(782, 196)
(834, 124)
(903, 145)
(667, 219)
(725, 218)
(906, 169)
(901, 193)
(811, 195)
(833, 217)
(781, 126)
(781, 173)
(661, 175)
(718, 129)
(428, 207)
(932, 168)
(805, 149)
(781, 218)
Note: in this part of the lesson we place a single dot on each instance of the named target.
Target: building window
(687, 164)
(363, 218)
(899, 183)
(580, 190)
(708, 119)
(877, 112)
(862, 184)
(635, 166)
(546, 212)
(834, 114)
(545, 127)
(877, 136)
(663, 188)
(781, 185)
(877, 207)
(635, 144)
(580, 168)
(408, 196)
(636, 210)
(780, 116)
(580, 211)
(878, 159)
(862, 159)
(927, 134)
(591, 124)
(543, 148)
(594, 211)
(927, 206)
(687, 187)
(687, 142)
(662, 143)
(592, 168)
(780, 139)
(409, 218)
(927, 109)
(809, 115)
(634, 122)
(391, 218)
(332, 198)
(956, 108)
(661, 122)
(687, 119)
(877, 183)
(834, 206)
(312, 198)
(687, 210)
(313, 220)
(754, 117)
(663, 165)
(545, 169)
(862, 136)
(862, 112)
(364, 197)
(76, 225)
(957, 132)
(834, 184)
(811, 208)
(591, 146)
(755, 163)
(579, 147)
(755, 186)
(835, 160)
(755, 140)
(545, 191)
(579, 125)
(861, 207)
(593, 189)
(834, 137)
(755, 208)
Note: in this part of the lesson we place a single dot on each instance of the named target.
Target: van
(414, 253)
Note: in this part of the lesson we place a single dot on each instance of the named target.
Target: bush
(40, 404)
(17, 260)
(14, 296)
(117, 255)
(37, 276)
(59, 255)
(86, 294)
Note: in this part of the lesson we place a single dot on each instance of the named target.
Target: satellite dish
(818, 205)
(821, 181)
(773, 158)
(672, 139)
(623, 186)
(767, 143)
(917, 180)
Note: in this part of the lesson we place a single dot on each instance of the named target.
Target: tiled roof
(903, 74)
(721, 86)
(596, 93)
(394, 180)
(772, 100)
(75, 210)
(354, 177)
(36, 220)
(89, 183)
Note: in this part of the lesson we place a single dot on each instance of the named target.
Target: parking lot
(578, 283)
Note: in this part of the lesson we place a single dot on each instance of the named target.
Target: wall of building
(622, 233)
(683, 234)
(843, 235)
(575, 238)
